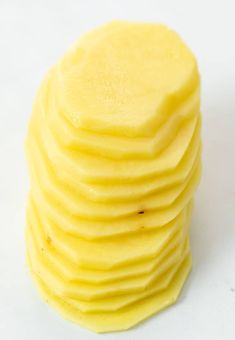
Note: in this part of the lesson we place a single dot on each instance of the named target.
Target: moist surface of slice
(106, 87)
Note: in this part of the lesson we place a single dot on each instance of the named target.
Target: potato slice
(124, 318)
(114, 147)
(71, 271)
(115, 303)
(81, 166)
(44, 179)
(98, 228)
(108, 88)
(93, 254)
(90, 292)
(115, 192)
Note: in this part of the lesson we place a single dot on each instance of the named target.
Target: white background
(33, 34)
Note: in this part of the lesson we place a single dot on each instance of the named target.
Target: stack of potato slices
(114, 149)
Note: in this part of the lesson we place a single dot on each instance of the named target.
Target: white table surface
(33, 34)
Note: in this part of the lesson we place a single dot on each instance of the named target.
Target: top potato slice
(112, 146)
(104, 86)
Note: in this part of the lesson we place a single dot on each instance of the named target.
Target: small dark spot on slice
(140, 212)
(232, 289)
(42, 249)
(48, 239)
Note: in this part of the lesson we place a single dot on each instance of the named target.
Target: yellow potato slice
(71, 271)
(115, 147)
(93, 254)
(118, 92)
(90, 292)
(44, 179)
(115, 303)
(91, 229)
(118, 192)
(124, 318)
(81, 166)
(108, 192)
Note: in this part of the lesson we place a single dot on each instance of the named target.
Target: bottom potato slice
(124, 318)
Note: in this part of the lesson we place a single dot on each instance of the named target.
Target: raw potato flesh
(114, 154)
(108, 145)
(139, 247)
(99, 170)
(124, 318)
(90, 292)
(71, 271)
(129, 97)
(94, 229)
(80, 206)
(119, 192)
(106, 295)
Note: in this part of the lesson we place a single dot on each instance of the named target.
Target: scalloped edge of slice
(124, 318)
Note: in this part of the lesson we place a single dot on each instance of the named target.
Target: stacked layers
(114, 157)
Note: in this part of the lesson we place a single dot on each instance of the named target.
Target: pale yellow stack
(113, 149)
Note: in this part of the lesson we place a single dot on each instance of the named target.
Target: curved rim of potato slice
(91, 229)
(93, 254)
(124, 318)
(99, 192)
(105, 193)
(57, 153)
(113, 147)
(71, 271)
(91, 292)
(44, 179)
(88, 228)
(117, 149)
(113, 304)
(116, 192)
(93, 169)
